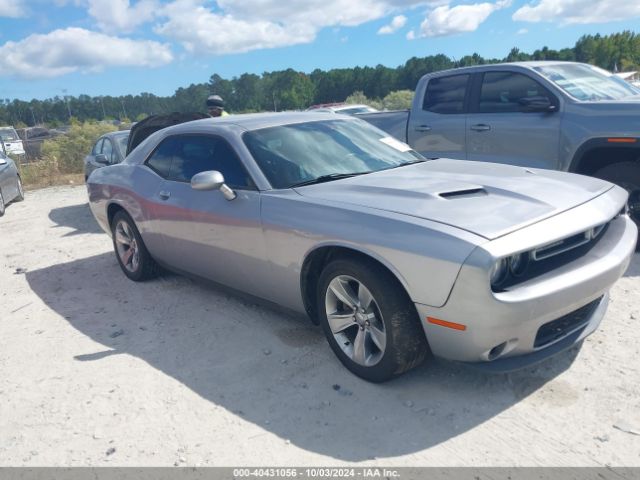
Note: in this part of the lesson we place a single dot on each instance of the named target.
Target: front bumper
(501, 328)
(573, 337)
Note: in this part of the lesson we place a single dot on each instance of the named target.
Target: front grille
(562, 326)
(567, 244)
(550, 257)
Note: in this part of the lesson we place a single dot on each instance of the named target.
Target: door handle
(164, 195)
(480, 127)
(423, 128)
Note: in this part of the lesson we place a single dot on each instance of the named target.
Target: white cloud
(244, 25)
(75, 49)
(397, 23)
(12, 8)
(120, 15)
(522, 31)
(320, 13)
(578, 11)
(446, 20)
(201, 30)
(411, 35)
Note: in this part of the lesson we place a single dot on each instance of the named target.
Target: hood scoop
(470, 192)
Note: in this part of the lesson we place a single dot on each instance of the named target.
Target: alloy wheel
(127, 246)
(355, 320)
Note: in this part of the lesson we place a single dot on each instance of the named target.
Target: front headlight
(508, 268)
(499, 272)
(518, 264)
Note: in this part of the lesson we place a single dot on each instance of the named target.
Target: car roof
(257, 121)
(117, 133)
(492, 66)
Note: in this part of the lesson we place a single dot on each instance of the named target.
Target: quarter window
(446, 94)
(503, 92)
(161, 158)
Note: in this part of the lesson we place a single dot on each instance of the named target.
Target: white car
(343, 108)
(12, 143)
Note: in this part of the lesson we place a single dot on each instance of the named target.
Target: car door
(202, 232)
(500, 129)
(438, 129)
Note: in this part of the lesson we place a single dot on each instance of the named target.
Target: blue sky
(116, 47)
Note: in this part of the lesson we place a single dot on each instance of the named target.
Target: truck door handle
(480, 127)
(423, 128)
(164, 195)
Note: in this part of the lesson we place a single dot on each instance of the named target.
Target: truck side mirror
(539, 103)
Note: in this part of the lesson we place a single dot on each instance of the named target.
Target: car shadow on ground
(77, 217)
(274, 369)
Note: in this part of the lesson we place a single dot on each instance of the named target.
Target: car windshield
(122, 140)
(585, 82)
(301, 153)
(8, 134)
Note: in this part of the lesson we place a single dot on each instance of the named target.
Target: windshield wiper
(412, 162)
(327, 178)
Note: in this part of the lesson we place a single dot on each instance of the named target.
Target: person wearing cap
(215, 106)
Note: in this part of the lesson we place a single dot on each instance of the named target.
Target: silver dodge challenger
(395, 256)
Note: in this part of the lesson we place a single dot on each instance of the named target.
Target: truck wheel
(627, 175)
(369, 321)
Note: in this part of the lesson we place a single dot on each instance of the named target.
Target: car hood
(486, 199)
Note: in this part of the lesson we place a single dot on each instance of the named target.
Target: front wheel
(133, 257)
(626, 175)
(2, 205)
(369, 321)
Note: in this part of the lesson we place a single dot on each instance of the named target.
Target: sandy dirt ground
(97, 370)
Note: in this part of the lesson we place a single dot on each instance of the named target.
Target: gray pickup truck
(555, 115)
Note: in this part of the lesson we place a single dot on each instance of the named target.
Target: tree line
(293, 90)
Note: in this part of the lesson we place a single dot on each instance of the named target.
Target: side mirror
(3, 161)
(537, 104)
(102, 159)
(212, 180)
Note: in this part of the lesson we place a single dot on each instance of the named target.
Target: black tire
(2, 205)
(626, 175)
(406, 345)
(20, 196)
(145, 268)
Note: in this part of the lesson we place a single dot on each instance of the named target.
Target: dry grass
(45, 173)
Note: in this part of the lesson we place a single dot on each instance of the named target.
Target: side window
(199, 153)
(161, 158)
(97, 147)
(107, 150)
(446, 94)
(502, 92)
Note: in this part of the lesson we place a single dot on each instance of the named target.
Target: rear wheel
(133, 257)
(369, 321)
(626, 175)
